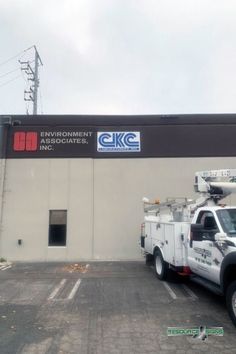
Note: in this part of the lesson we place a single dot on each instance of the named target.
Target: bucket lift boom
(217, 184)
(212, 186)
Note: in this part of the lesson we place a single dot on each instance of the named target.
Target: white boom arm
(216, 183)
(211, 185)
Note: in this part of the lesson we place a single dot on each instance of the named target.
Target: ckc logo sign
(118, 142)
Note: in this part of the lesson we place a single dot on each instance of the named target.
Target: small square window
(57, 227)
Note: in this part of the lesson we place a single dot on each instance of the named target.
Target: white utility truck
(196, 238)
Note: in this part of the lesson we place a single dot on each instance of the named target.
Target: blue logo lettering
(118, 142)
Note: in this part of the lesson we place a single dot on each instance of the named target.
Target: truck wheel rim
(158, 265)
(234, 303)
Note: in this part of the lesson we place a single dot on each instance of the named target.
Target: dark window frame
(57, 231)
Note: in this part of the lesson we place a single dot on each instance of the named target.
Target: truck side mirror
(196, 233)
(220, 237)
(196, 228)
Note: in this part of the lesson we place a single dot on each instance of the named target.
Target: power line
(9, 72)
(15, 56)
(14, 70)
(32, 73)
(6, 61)
(8, 82)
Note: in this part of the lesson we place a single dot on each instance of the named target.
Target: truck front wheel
(161, 267)
(231, 301)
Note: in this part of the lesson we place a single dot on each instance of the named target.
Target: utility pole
(37, 61)
(31, 94)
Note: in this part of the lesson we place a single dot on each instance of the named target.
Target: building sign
(115, 138)
(118, 141)
(26, 142)
(44, 142)
(72, 142)
(48, 140)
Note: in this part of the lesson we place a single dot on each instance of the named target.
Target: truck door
(204, 257)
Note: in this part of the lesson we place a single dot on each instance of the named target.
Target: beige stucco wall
(103, 199)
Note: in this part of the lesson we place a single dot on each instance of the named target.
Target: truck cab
(212, 238)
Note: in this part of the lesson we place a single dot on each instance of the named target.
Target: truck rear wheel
(231, 301)
(161, 267)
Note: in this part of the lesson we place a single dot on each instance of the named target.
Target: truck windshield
(227, 218)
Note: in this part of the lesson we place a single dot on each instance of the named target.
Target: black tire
(161, 267)
(231, 301)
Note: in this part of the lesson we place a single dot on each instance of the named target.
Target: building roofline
(119, 120)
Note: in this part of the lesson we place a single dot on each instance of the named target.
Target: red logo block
(25, 141)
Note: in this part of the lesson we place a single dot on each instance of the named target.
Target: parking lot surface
(105, 307)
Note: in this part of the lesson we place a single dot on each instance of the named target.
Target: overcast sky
(121, 56)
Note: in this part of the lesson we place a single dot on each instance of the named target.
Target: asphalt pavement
(106, 308)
